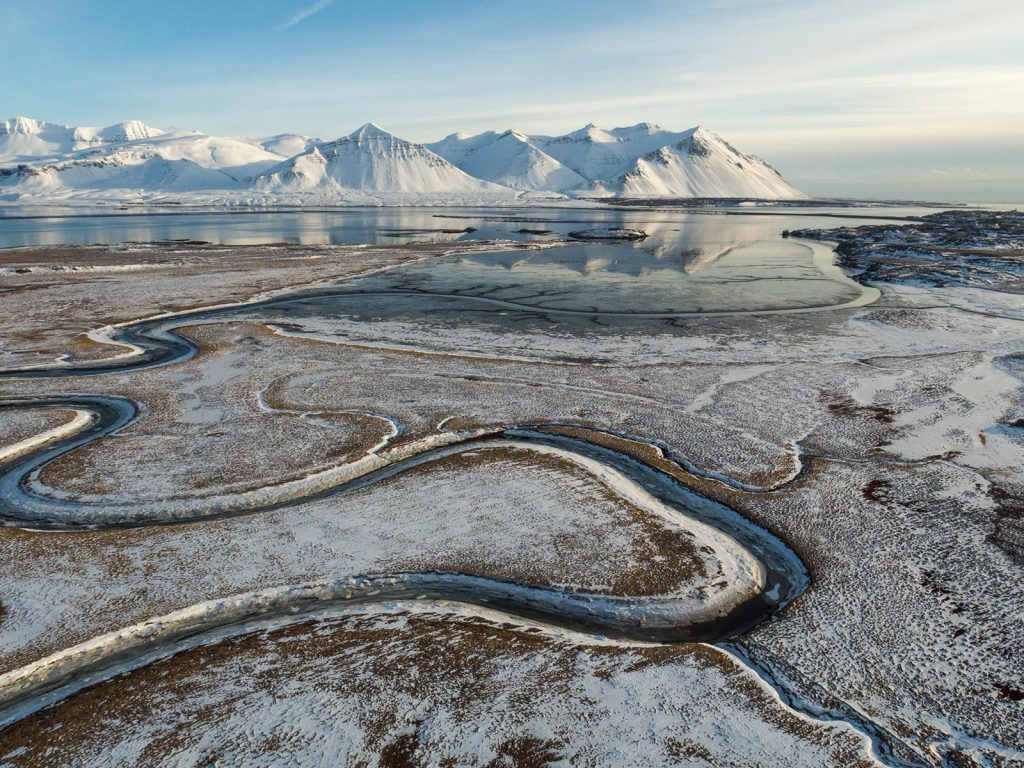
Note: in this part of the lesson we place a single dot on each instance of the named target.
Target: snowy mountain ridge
(642, 160)
(22, 138)
(369, 159)
(132, 161)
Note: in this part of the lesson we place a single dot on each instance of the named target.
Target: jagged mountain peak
(700, 133)
(699, 164)
(371, 131)
(517, 135)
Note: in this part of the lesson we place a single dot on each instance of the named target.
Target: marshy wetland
(706, 486)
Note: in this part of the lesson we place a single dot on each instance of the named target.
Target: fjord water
(689, 263)
(38, 227)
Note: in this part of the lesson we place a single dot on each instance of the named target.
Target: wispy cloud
(306, 12)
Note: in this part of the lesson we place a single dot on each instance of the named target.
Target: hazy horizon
(922, 101)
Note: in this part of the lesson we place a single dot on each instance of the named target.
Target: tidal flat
(446, 487)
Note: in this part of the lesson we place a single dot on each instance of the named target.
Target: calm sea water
(668, 229)
(689, 263)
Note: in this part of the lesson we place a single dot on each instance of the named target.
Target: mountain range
(133, 162)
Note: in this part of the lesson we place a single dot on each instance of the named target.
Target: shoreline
(67, 209)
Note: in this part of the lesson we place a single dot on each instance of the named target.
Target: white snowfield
(132, 162)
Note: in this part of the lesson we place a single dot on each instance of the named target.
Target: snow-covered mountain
(239, 158)
(511, 159)
(128, 161)
(597, 154)
(23, 139)
(46, 162)
(699, 164)
(129, 172)
(642, 160)
(560, 163)
(370, 160)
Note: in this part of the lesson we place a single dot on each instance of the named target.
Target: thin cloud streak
(305, 13)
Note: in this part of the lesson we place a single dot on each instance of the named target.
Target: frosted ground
(286, 541)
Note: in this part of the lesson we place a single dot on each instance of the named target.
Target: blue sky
(872, 98)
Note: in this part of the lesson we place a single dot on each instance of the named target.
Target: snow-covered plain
(425, 687)
(134, 163)
(881, 441)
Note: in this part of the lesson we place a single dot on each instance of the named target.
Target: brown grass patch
(457, 665)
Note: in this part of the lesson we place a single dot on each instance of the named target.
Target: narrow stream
(650, 619)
